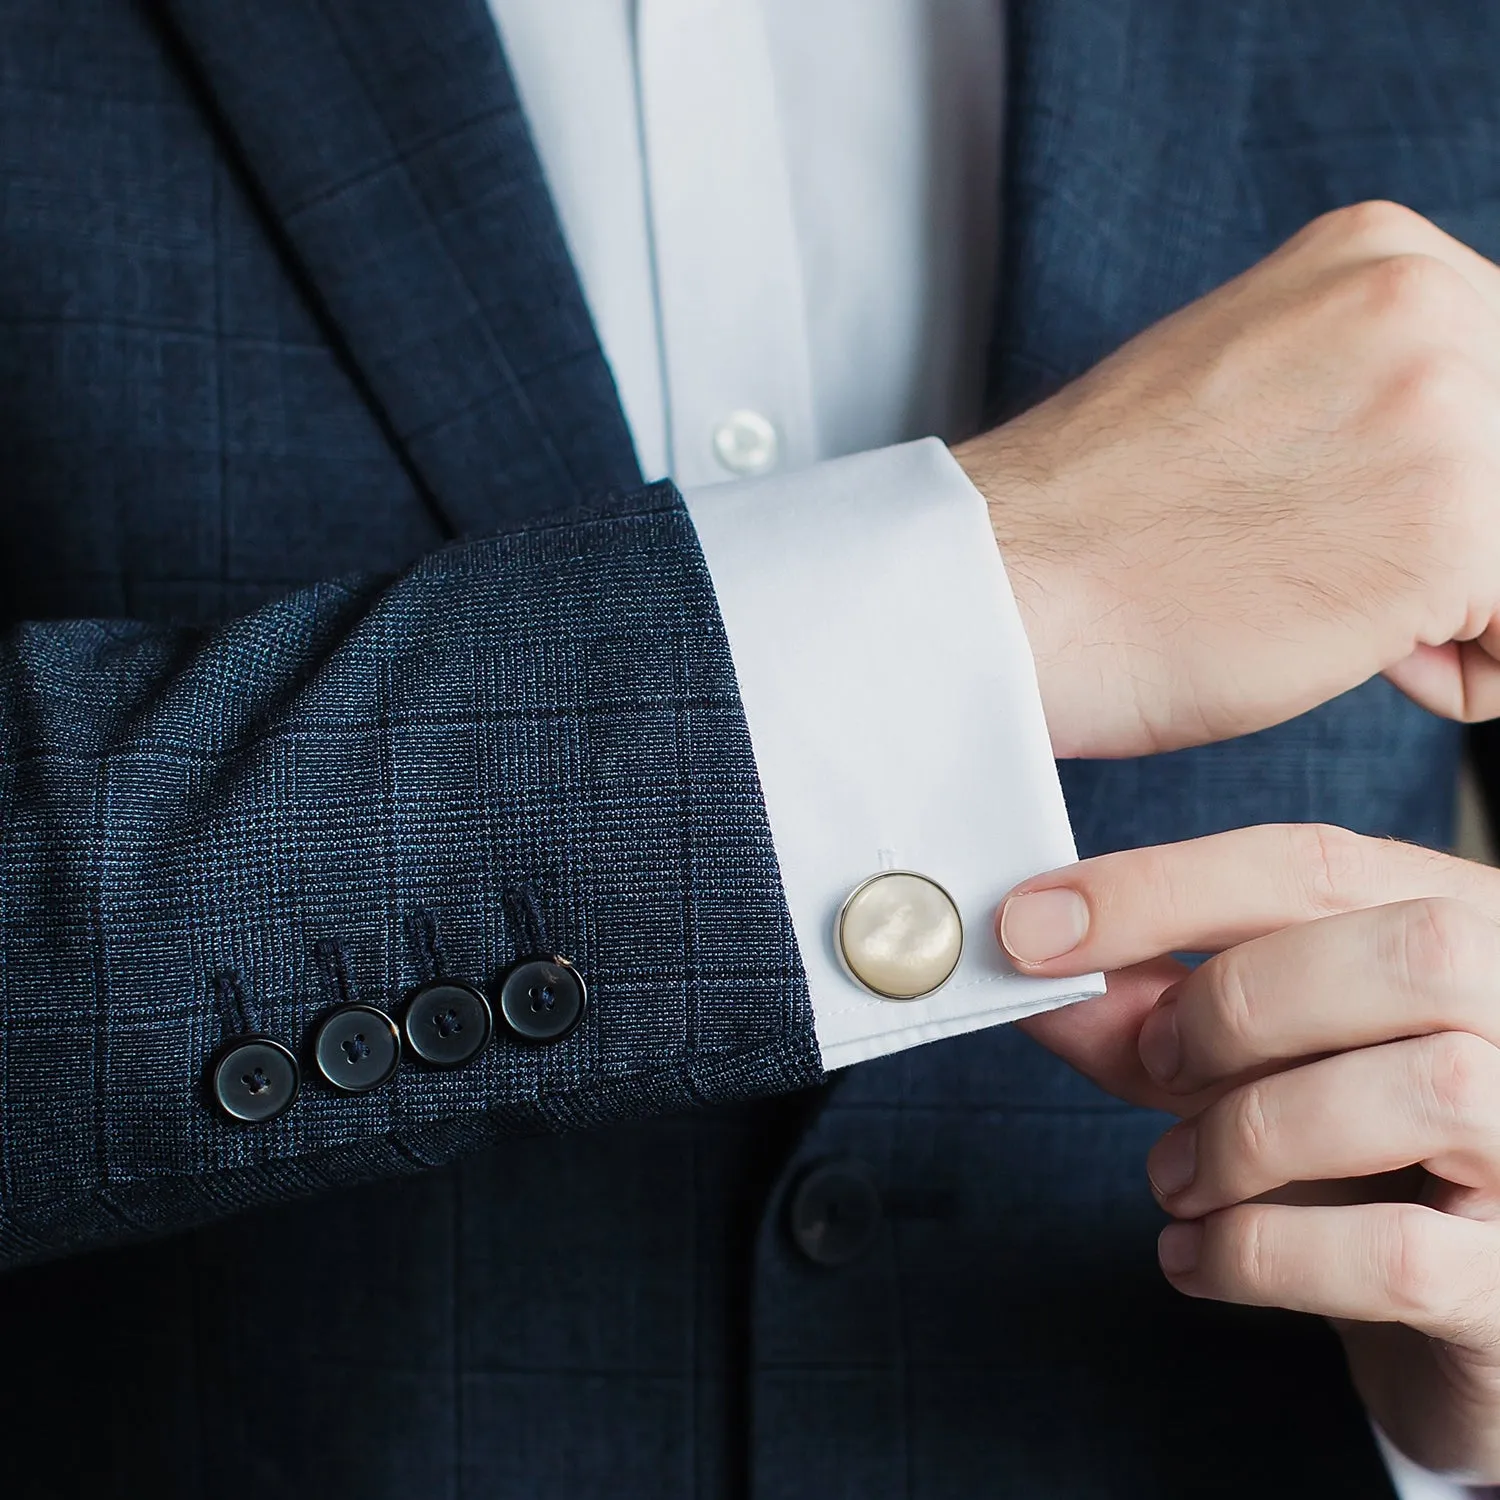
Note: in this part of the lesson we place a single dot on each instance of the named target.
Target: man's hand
(1338, 1065)
(1280, 491)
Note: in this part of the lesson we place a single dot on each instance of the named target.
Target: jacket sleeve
(365, 783)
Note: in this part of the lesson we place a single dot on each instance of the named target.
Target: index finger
(1210, 893)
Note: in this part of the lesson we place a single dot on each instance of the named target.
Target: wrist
(1047, 577)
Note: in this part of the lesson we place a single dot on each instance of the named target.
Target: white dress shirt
(786, 237)
(784, 218)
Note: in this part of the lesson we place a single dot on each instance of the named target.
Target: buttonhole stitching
(235, 1018)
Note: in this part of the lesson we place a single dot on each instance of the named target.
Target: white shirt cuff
(1413, 1483)
(894, 714)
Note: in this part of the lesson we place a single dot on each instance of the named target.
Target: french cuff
(1411, 1482)
(893, 709)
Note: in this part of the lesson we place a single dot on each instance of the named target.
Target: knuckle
(1231, 1007)
(1249, 1252)
(1410, 287)
(1460, 1071)
(1430, 392)
(1331, 863)
(1372, 222)
(1442, 945)
(1415, 1272)
(1154, 871)
(1250, 1124)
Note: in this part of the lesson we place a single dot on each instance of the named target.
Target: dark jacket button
(835, 1213)
(446, 1023)
(356, 1048)
(542, 999)
(255, 1079)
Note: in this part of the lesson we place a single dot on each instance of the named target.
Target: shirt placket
(728, 279)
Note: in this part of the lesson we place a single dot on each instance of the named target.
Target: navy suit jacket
(338, 612)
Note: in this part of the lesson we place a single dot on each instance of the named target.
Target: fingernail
(1159, 1046)
(1177, 1248)
(1173, 1160)
(1040, 925)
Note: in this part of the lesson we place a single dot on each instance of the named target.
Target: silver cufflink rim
(853, 896)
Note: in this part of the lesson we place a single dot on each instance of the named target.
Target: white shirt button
(900, 935)
(745, 442)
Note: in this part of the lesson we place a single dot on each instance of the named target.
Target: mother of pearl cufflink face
(900, 935)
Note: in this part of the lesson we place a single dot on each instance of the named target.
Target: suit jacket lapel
(388, 144)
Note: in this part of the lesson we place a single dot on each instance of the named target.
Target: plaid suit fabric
(228, 371)
(552, 709)
(219, 221)
(352, 116)
(241, 356)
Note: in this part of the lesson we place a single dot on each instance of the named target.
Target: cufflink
(899, 935)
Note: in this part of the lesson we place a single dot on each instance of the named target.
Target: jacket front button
(542, 999)
(835, 1213)
(356, 1048)
(447, 1023)
(254, 1080)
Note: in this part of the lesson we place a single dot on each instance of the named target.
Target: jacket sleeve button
(447, 1023)
(542, 999)
(254, 1080)
(356, 1048)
